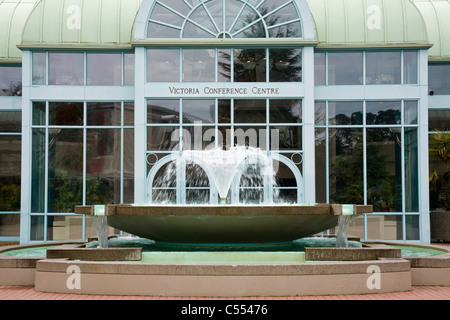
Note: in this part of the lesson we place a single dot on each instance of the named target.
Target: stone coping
(367, 252)
(76, 252)
(226, 210)
(439, 261)
(307, 268)
(22, 262)
(372, 251)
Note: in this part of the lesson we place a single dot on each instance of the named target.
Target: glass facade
(347, 124)
(367, 153)
(439, 140)
(10, 173)
(366, 68)
(83, 153)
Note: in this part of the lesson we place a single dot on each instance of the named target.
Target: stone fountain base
(224, 224)
(375, 268)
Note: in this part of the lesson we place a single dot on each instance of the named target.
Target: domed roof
(13, 16)
(366, 23)
(109, 24)
(436, 14)
(81, 23)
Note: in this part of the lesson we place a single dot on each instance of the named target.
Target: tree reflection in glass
(384, 169)
(345, 113)
(65, 167)
(224, 65)
(346, 181)
(10, 80)
(250, 65)
(285, 65)
(383, 112)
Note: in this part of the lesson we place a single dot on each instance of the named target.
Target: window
(367, 153)
(439, 137)
(320, 73)
(68, 69)
(410, 67)
(383, 67)
(439, 79)
(383, 113)
(10, 80)
(39, 69)
(104, 69)
(345, 68)
(366, 68)
(439, 120)
(198, 65)
(163, 65)
(10, 173)
(224, 19)
(82, 153)
(285, 65)
(345, 113)
(231, 65)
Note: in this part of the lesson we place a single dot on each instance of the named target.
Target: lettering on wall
(224, 91)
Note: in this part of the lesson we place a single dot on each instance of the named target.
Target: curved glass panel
(247, 17)
(224, 19)
(161, 13)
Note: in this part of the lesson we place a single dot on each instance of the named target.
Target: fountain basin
(224, 224)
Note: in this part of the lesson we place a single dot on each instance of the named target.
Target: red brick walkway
(417, 293)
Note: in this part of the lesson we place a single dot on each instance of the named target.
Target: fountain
(223, 165)
(235, 223)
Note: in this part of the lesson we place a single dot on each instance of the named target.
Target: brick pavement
(417, 293)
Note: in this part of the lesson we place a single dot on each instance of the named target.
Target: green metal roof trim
(109, 24)
(437, 18)
(81, 23)
(366, 23)
(13, 16)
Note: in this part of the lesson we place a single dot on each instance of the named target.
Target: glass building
(98, 96)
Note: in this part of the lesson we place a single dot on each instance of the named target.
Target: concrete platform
(224, 280)
(386, 272)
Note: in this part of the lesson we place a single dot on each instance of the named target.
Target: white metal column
(309, 174)
(140, 134)
(423, 157)
(26, 178)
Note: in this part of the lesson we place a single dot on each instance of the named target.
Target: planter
(440, 225)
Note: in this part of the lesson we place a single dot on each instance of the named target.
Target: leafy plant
(440, 181)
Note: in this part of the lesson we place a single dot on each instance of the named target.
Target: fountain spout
(101, 225)
(344, 221)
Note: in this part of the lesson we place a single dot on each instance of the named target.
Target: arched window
(224, 19)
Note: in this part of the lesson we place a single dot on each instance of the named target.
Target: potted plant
(440, 186)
